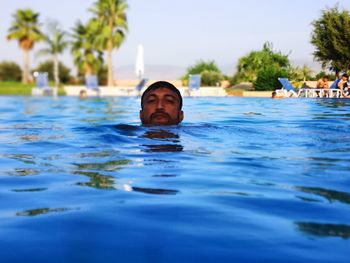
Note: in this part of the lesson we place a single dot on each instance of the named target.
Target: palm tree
(56, 43)
(26, 29)
(86, 57)
(111, 18)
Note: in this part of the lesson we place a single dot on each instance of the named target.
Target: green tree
(249, 66)
(209, 71)
(85, 55)
(10, 71)
(102, 75)
(331, 38)
(48, 66)
(267, 78)
(26, 29)
(321, 74)
(300, 74)
(56, 43)
(110, 17)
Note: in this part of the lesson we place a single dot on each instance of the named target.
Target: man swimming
(161, 104)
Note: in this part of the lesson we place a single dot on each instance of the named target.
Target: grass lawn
(18, 88)
(15, 88)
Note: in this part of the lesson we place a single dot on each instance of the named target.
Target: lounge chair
(42, 85)
(334, 91)
(289, 91)
(194, 84)
(91, 84)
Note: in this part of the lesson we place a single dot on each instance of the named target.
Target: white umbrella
(140, 67)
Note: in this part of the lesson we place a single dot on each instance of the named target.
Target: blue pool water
(241, 180)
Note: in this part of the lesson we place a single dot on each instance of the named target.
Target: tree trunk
(110, 63)
(56, 70)
(25, 72)
(88, 70)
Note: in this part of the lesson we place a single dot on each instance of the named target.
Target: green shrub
(211, 78)
(209, 71)
(47, 66)
(267, 78)
(322, 74)
(10, 71)
(249, 66)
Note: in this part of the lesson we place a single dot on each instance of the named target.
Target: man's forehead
(162, 91)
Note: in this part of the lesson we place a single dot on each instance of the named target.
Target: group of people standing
(341, 83)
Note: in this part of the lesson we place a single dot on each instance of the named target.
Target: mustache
(159, 113)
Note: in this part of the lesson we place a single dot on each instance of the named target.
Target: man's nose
(160, 104)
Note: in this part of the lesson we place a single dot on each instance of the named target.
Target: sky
(177, 34)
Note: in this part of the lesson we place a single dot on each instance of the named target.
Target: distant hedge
(267, 78)
(47, 66)
(209, 71)
(10, 71)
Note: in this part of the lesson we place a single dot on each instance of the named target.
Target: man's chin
(160, 122)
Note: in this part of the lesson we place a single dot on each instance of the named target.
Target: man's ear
(181, 116)
(141, 118)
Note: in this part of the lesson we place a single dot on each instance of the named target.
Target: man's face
(161, 107)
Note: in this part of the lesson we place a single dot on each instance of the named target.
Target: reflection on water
(23, 172)
(160, 136)
(333, 103)
(109, 166)
(97, 180)
(25, 158)
(306, 199)
(30, 138)
(165, 175)
(127, 130)
(41, 211)
(330, 195)
(156, 191)
(97, 154)
(30, 190)
(324, 230)
(163, 148)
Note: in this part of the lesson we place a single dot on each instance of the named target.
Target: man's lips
(160, 115)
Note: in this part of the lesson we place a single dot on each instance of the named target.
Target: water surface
(241, 180)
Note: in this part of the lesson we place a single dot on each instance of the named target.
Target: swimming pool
(241, 180)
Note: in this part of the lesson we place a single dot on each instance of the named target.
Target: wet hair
(162, 84)
(345, 75)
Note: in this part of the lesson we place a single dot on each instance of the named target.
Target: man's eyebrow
(170, 95)
(150, 95)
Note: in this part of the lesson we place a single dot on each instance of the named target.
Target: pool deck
(131, 91)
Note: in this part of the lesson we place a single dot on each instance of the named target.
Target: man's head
(161, 104)
(325, 78)
(345, 76)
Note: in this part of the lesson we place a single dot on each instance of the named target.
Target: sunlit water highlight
(241, 180)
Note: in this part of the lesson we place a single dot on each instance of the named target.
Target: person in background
(322, 83)
(274, 95)
(343, 85)
(83, 94)
(161, 104)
